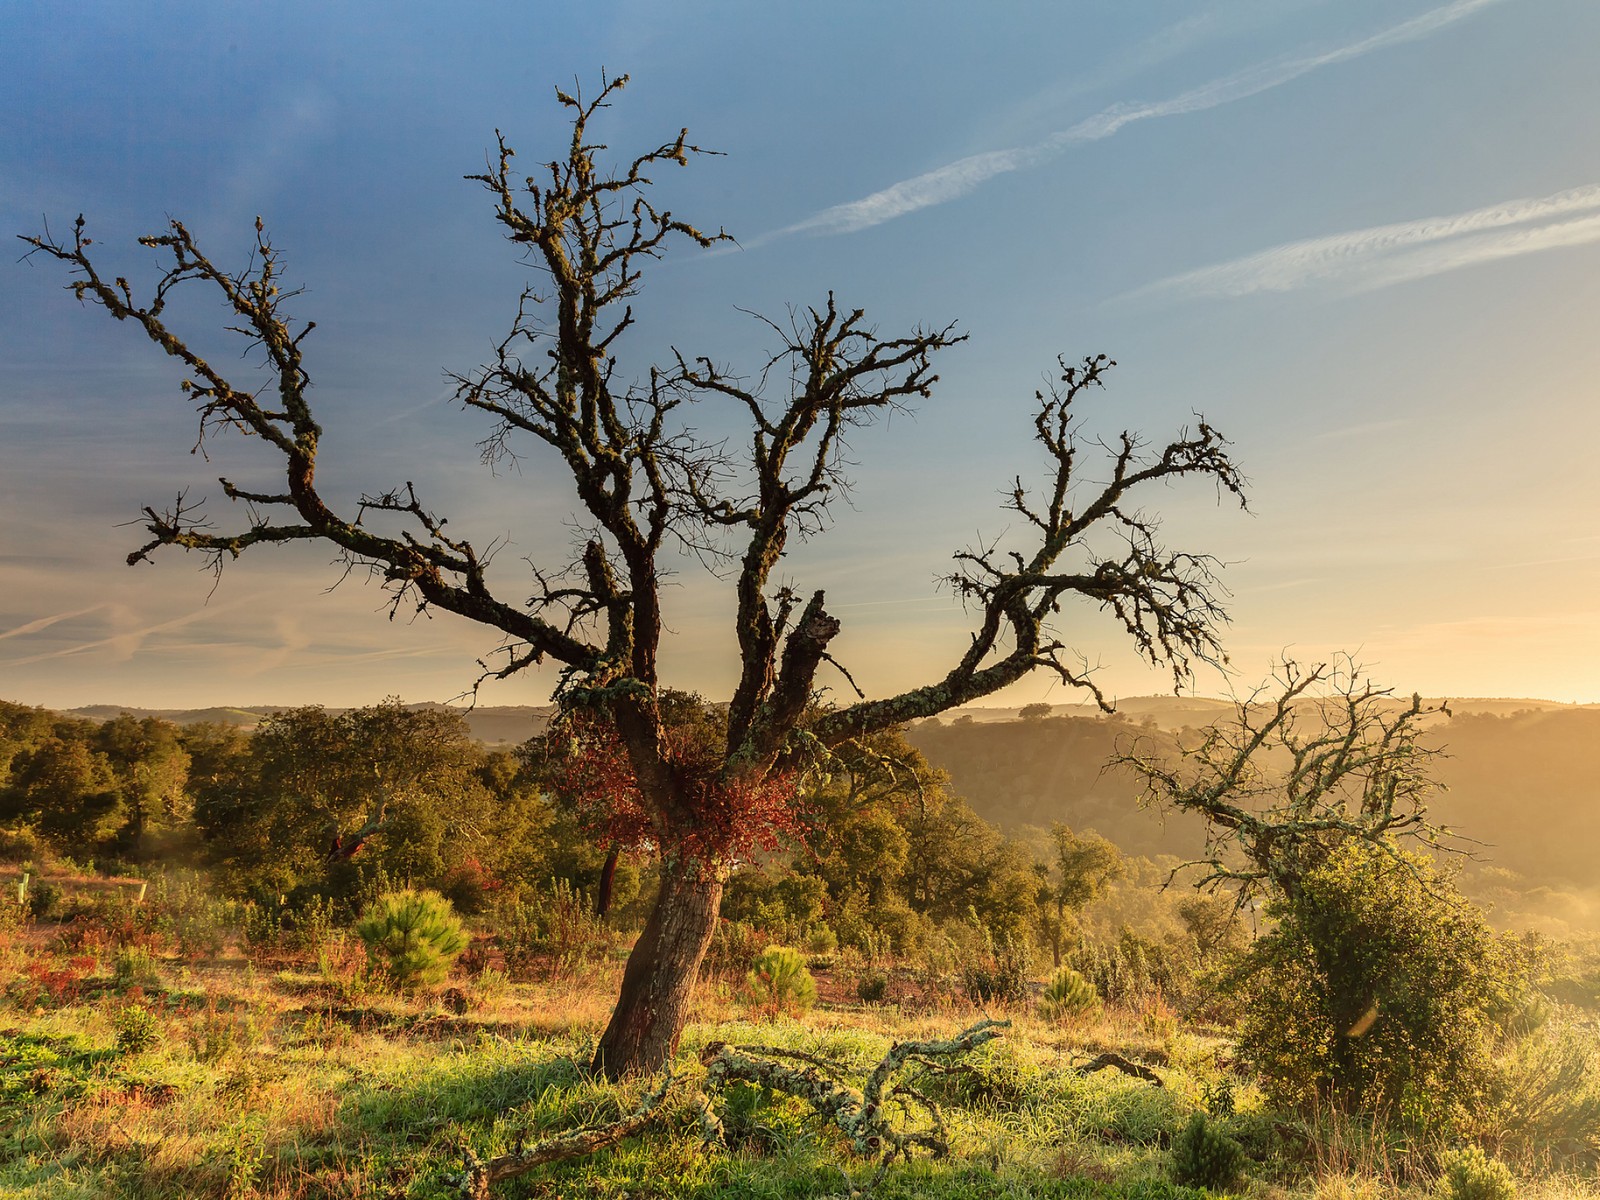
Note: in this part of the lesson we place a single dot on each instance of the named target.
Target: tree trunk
(608, 875)
(657, 985)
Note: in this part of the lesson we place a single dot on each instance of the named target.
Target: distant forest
(1519, 780)
(1523, 786)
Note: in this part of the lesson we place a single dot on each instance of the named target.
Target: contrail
(46, 622)
(958, 178)
(1389, 254)
(126, 643)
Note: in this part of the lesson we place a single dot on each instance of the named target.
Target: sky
(1360, 237)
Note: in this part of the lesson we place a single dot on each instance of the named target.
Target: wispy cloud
(1361, 430)
(43, 623)
(963, 176)
(1363, 259)
(125, 643)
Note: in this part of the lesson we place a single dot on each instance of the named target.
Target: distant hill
(1521, 777)
(1194, 712)
(500, 725)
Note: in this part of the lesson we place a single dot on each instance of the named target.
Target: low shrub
(135, 966)
(1069, 998)
(781, 981)
(821, 940)
(556, 930)
(218, 1032)
(1470, 1174)
(872, 987)
(733, 945)
(44, 901)
(413, 936)
(1000, 974)
(1204, 1156)
(137, 1029)
(470, 888)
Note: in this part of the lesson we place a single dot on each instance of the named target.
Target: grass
(300, 1080)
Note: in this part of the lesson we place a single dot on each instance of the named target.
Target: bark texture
(658, 983)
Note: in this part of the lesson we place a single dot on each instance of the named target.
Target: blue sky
(1362, 238)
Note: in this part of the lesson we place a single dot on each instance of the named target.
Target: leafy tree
(1212, 923)
(21, 729)
(152, 772)
(1085, 865)
(1380, 988)
(1037, 711)
(647, 481)
(67, 789)
(328, 800)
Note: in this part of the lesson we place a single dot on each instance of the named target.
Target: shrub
(44, 901)
(135, 966)
(218, 1032)
(13, 915)
(821, 940)
(781, 981)
(1068, 998)
(733, 945)
(1204, 1156)
(1381, 989)
(872, 987)
(557, 928)
(999, 974)
(1470, 1174)
(1543, 1096)
(413, 936)
(137, 1029)
(470, 888)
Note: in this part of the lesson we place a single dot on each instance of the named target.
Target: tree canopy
(626, 441)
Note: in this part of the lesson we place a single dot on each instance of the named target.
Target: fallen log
(1127, 1067)
(480, 1175)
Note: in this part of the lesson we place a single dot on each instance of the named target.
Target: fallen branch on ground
(1116, 1061)
(862, 1117)
(479, 1176)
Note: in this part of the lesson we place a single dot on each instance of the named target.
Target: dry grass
(297, 1078)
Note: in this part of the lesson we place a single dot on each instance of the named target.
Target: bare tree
(643, 477)
(1317, 757)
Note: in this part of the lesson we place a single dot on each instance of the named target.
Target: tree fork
(641, 475)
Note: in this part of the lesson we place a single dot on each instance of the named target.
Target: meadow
(177, 1045)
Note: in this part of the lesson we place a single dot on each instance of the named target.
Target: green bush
(135, 966)
(412, 936)
(1470, 1174)
(821, 940)
(1204, 1156)
(44, 901)
(555, 930)
(1381, 989)
(780, 980)
(1068, 998)
(137, 1029)
(218, 1032)
(872, 987)
(1543, 1096)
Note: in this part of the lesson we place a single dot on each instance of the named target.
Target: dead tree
(645, 481)
(1319, 756)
